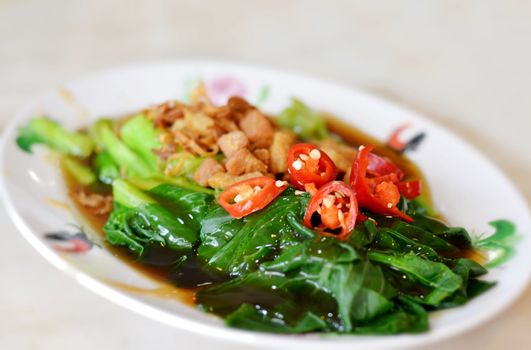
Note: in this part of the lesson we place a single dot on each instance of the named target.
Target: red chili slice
(379, 166)
(410, 189)
(337, 207)
(384, 170)
(367, 194)
(246, 197)
(308, 164)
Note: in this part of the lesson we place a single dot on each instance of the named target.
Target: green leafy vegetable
(391, 240)
(283, 277)
(339, 289)
(432, 274)
(46, 131)
(407, 316)
(118, 231)
(257, 237)
(189, 201)
(469, 270)
(217, 229)
(344, 282)
(298, 226)
(455, 236)
(250, 317)
(307, 124)
(364, 234)
(296, 255)
(420, 206)
(139, 220)
(429, 233)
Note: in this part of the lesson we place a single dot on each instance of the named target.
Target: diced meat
(282, 142)
(224, 180)
(342, 155)
(257, 128)
(238, 104)
(222, 112)
(232, 142)
(243, 161)
(226, 124)
(206, 170)
(262, 154)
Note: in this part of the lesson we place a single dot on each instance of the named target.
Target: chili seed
(280, 183)
(315, 154)
(297, 165)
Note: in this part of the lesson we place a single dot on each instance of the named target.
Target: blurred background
(465, 65)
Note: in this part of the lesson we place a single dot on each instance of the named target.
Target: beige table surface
(464, 64)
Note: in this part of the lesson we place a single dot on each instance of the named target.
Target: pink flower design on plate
(221, 88)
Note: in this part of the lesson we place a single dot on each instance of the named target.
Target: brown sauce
(166, 290)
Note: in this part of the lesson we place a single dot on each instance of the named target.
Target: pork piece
(222, 112)
(238, 105)
(342, 155)
(206, 170)
(282, 142)
(257, 128)
(232, 142)
(224, 119)
(262, 154)
(224, 180)
(243, 161)
(226, 125)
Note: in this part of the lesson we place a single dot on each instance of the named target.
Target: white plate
(466, 187)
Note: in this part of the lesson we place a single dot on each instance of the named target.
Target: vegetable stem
(125, 157)
(128, 195)
(139, 134)
(81, 173)
(46, 131)
(148, 183)
(107, 168)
